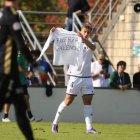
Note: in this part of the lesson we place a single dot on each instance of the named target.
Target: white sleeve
(47, 44)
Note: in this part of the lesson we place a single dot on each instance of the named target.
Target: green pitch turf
(72, 131)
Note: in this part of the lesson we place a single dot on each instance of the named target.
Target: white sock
(88, 116)
(61, 107)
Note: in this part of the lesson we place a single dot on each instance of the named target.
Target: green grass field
(72, 131)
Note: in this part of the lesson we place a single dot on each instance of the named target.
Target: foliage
(41, 19)
(39, 5)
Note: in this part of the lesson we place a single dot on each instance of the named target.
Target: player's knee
(87, 102)
(68, 102)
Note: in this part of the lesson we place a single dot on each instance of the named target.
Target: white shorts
(78, 85)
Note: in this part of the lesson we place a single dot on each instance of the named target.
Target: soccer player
(10, 41)
(80, 82)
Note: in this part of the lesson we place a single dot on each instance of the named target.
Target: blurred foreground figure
(136, 79)
(11, 40)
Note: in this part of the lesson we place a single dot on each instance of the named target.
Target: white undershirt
(100, 81)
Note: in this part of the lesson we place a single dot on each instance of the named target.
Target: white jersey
(67, 47)
(85, 69)
(100, 81)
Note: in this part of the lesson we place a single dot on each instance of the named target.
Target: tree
(37, 20)
(39, 5)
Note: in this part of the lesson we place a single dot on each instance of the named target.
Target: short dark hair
(121, 63)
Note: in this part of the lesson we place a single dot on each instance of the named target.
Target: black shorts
(25, 90)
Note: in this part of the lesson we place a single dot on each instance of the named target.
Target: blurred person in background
(100, 71)
(42, 78)
(11, 40)
(136, 78)
(6, 108)
(79, 7)
(119, 78)
(23, 74)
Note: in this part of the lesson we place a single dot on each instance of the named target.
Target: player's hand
(79, 34)
(52, 29)
(84, 39)
(78, 12)
(102, 72)
(66, 20)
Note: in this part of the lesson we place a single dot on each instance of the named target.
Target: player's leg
(72, 90)
(1, 102)
(5, 91)
(1, 105)
(6, 109)
(4, 81)
(26, 98)
(28, 111)
(20, 110)
(88, 92)
(88, 113)
(67, 101)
